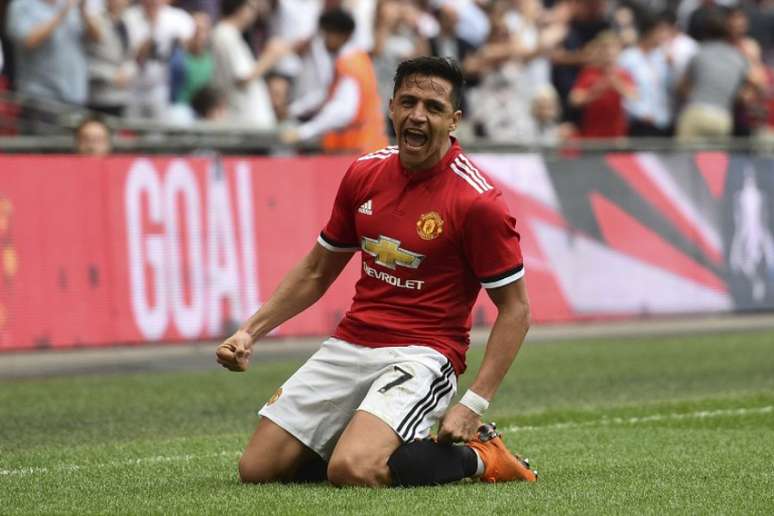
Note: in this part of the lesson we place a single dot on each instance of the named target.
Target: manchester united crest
(275, 396)
(429, 225)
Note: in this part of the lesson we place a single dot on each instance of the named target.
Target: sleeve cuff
(503, 279)
(336, 247)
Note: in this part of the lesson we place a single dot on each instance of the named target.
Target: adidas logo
(366, 208)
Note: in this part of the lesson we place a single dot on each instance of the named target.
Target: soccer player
(431, 230)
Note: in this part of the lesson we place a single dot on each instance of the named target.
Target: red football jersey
(429, 240)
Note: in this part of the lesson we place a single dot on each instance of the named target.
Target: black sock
(313, 470)
(427, 463)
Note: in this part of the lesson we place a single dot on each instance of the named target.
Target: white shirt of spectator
(234, 61)
(681, 50)
(338, 111)
(172, 24)
(537, 71)
(473, 24)
(364, 13)
(653, 80)
(294, 20)
(311, 85)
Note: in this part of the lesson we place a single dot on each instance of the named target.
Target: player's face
(423, 116)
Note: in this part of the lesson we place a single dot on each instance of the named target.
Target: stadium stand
(145, 62)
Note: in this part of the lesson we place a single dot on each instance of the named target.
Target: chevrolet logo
(388, 253)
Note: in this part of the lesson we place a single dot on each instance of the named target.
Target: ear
(389, 106)
(456, 117)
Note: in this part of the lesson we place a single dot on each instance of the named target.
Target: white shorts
(409, 388)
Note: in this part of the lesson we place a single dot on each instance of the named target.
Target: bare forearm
(40, 34)
(504, 343)
(296, 292)
(92, 26)
(568, 57)
(579, 98)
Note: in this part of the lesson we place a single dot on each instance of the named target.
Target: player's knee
(252, 471)
(350, 471)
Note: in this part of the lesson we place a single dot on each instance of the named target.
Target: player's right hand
(234, 353)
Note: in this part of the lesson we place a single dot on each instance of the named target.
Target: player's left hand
(460, 424)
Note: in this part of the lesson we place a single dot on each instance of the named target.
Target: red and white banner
(132, 249)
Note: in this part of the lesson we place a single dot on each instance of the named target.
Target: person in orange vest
(351, 118)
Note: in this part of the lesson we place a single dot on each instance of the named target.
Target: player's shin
(425, 463)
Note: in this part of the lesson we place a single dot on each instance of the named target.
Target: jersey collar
(415, 176)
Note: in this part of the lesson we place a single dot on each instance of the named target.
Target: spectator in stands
(238, 74)
(295, 73)
(155, 31)
(500, 104)
(364, 14)
(447, 43)
(749, 109)
(351, 118)
(209, 104)
(601, 89)
(650, 111)
(587, 18)
(711, 84)
(198, 64)
(760, 15)
(50, 60)
(624, 24)
(473, 21)
(112, 67)
(311, 84)
(397, 38)
(211, 7)
(93, 137)
(546, 127)
(536, 35)
(701, 19)
(680, 49)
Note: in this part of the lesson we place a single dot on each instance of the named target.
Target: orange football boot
(500, 465)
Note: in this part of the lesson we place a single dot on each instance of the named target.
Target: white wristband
(474, 402)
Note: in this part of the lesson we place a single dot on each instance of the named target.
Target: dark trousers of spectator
(643, 128)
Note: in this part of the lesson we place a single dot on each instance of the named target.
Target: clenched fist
(234, 353)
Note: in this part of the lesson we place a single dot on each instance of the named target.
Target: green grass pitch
(667, 425)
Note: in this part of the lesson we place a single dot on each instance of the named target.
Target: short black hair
(206, 99)
(669, 16)
(715, 27)
(229, 7)
(337, 21)
(430, 66)
(649, 21)
(93, 118)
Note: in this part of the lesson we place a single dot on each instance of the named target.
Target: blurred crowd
(538, 71)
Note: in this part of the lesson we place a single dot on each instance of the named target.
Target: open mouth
(414, 138)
